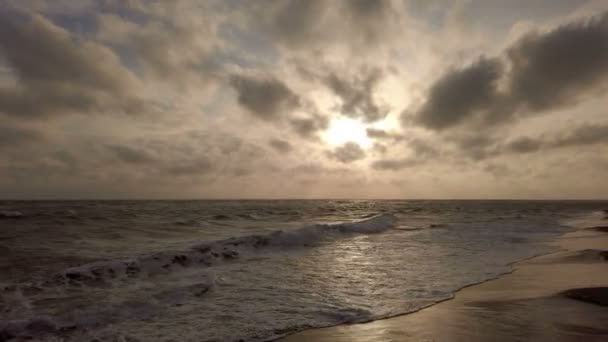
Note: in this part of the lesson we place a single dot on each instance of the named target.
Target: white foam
(11, 214)
(313, 233)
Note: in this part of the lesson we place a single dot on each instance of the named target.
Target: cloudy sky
(303, 99)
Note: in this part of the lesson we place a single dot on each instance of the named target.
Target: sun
(343, 130)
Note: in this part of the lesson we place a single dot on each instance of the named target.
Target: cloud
(347, 153)
(279, 145)
(198, 166)
(357, 95)
(559, 67)
(476, 145)
(460, 94)
(131, 155)
(12, 135)
(421, 152)
(582, 135)
(264, 96)
(308, 127)
(380, 134)
(173, 41)
(393, 164)
(422, 149)
(57, 72)
(537, 73)
(524, 145)
(586, 134)
(314, 24)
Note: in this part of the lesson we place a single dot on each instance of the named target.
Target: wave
(11, 214)
(73, 323)
(206, 254)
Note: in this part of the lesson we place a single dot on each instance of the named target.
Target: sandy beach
(555, 297)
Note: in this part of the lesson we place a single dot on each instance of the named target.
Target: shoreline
(540, 297)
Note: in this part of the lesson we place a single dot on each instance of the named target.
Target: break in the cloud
(357, 96)
(290, 98)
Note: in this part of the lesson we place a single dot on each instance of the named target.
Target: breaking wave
(208, 253)
(205, 254)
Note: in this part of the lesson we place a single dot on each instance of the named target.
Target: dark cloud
(57, 72)
(265, 97)
(544, 71)
(476, 146)
(280, 145)
(12, 135)
(393, 164)
(497, 170)
(480, 147)
(132, 155)
(370, 19)
(347, 153)
(313, 23)
(171, 41)
(169, 163)
(293, 22)
(582, 135)
(460, 94)
(421, 152)
(378, 133)
(197, 166)
(308, 127)
(586, 134)
(559, 67)
(422, 149)
(357, 95)
(383, 139)
(524, 145)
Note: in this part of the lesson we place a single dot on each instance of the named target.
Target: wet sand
(556, 297)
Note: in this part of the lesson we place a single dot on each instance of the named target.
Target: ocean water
(252, 270)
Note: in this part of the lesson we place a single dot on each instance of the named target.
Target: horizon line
(296, 199)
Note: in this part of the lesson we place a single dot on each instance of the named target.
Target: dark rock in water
(221, 217)
(6, 336)
(594, 295)
(74, 276)
(203, 249)
(132, 269)
(180, 259)
(604, 255)
(199, 289)
(230, 254)
(41, 326)
(260, 241)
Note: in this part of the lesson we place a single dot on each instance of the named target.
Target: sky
(303, 99)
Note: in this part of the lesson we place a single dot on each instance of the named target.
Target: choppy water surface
(250, 270)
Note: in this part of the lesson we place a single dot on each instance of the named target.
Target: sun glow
(343, 130)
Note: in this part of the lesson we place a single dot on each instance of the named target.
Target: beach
(264, 270)
(546, 298)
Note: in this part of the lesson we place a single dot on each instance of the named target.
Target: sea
(253, 270)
